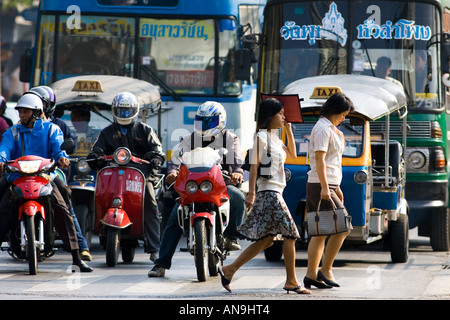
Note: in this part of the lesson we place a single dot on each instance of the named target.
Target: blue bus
(185, 48)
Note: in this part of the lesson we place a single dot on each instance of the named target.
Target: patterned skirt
(269, 216)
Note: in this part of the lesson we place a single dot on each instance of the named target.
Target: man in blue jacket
(35, 136)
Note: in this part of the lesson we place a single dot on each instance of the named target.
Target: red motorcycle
(119, 205)
(32, 239)
(204, 208)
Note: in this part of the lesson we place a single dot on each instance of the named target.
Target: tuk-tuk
(373, 166)
(84, 103)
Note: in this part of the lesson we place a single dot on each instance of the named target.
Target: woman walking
(326, 147)
(269, 216)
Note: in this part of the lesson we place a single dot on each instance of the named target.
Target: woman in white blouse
(269, 218)
(325, 151)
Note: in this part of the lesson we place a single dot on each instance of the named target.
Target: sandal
(298, 289)
(225, 281)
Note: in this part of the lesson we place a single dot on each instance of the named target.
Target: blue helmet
(210, 119)
(125, 108)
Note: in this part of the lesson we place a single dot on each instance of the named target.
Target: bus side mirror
(25, 66)
(245, 57)
(242, 64)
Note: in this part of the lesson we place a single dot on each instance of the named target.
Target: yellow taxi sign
(88, 86)
(324, 92)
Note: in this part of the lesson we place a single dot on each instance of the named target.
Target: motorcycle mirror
(67, 144)
(223, 152)
(98, 150)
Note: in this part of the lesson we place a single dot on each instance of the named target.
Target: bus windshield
(187, 56)
(395, 40)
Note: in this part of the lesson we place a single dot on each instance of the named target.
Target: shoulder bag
(328, 222)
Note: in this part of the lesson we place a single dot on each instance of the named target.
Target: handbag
(328, 222)
(264, 165)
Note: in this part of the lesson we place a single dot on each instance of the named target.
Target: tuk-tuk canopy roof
(103, 89)
(372, 97)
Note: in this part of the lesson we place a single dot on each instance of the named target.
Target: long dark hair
(336, 104)
(268, 108)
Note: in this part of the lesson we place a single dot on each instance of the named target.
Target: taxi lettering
(88, 85)
(324, 92)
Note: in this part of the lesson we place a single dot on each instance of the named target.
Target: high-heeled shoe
(320, 276)
(225, 281)
(308, 282)
(298, 289)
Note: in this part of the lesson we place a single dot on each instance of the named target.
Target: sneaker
(85, 255)
(157, 271)
(232, 245)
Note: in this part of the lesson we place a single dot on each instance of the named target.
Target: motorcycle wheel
(32, 251)
(200, 249)
(112, 246)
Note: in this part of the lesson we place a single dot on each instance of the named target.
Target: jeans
(173, 232)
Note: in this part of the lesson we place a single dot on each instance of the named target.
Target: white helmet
(210, 119)
(30, 100)
(125, 108)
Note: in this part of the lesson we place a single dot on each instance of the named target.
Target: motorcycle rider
(35, 136)
(48, 98)
(143, 142)
(209, 130)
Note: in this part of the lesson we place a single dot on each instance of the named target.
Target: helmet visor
(120, 112)
(202, 123)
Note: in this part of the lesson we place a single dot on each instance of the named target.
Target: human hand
(249, 200)
(63, 162)
(236, 177)
(171, 177)
(287, 125)
(325, 194)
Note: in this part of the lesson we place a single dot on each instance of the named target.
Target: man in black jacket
(143, 142)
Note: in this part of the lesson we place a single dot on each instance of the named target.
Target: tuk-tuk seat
(378, 158)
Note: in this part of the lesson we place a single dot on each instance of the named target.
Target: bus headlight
(361, 177)
(288, 174)
(416, 160)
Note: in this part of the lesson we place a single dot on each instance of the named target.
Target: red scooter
(204, 208)
(32, 239)
(119, 205)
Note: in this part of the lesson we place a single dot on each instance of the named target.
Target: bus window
(103, 45)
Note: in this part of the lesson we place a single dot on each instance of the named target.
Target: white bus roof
(372, 97)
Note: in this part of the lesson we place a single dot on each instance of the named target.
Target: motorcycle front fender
(206, 215)
(31, 208)
(116, 218)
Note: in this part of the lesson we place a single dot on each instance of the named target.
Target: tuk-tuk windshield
(86, 121)
(353, 129)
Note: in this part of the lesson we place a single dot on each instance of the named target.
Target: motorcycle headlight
(206, 186)
(82, 167)
(122, 156)
(191, 187)
(30, 166)
(116, 202)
